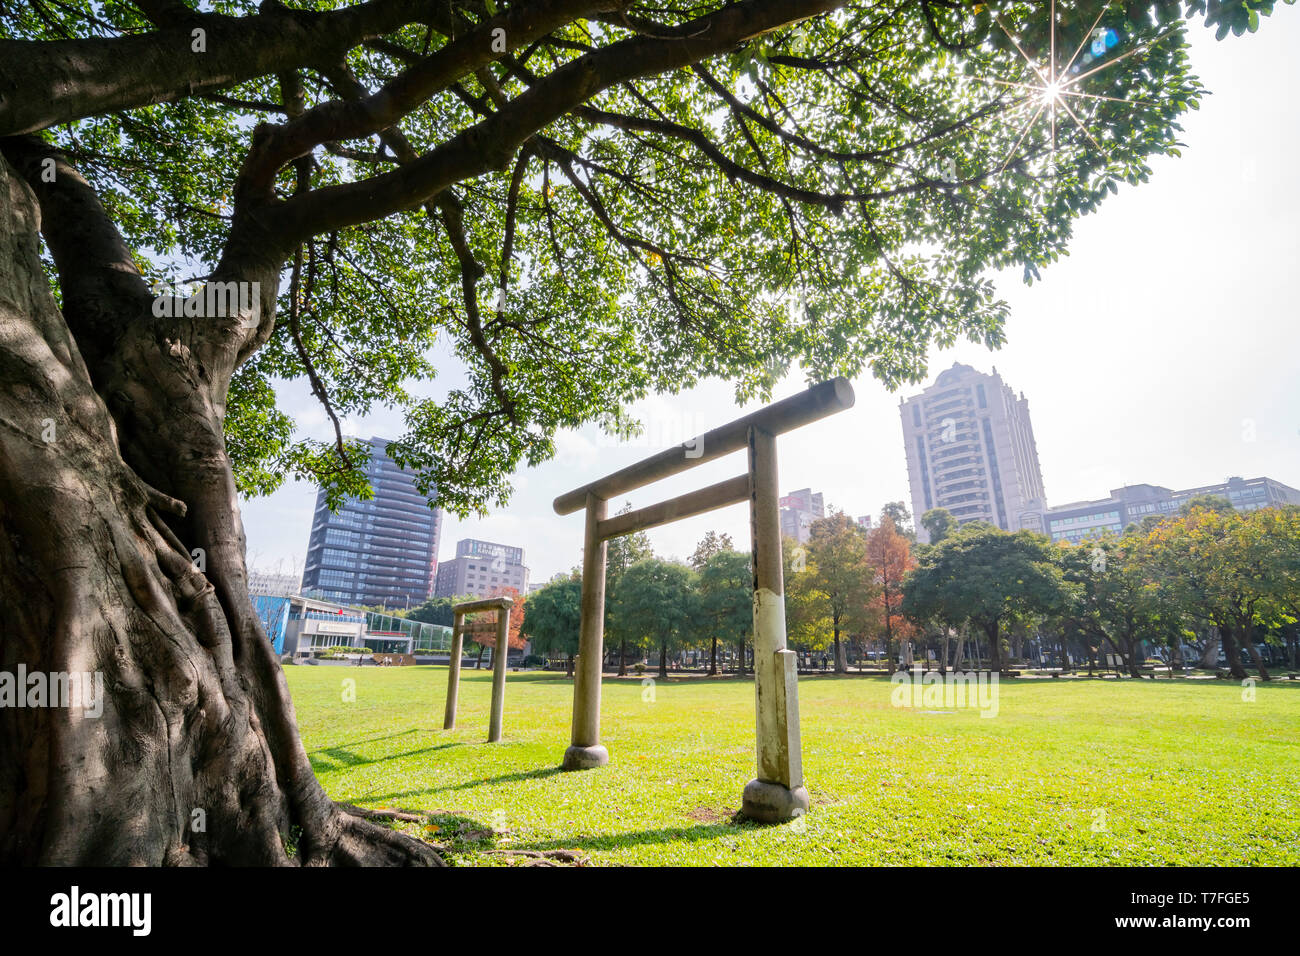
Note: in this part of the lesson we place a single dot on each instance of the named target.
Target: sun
(1057, 90)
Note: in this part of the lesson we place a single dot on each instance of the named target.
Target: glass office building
(378, 552)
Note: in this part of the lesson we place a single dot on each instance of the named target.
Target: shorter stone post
(500, 658)
(453, 670)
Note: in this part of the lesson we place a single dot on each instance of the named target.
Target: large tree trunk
(1210, 656)
(1232, 652)
(1132, 655)
(663, 661)
(713, 657)
(622, 658)
(995, 646)
(1248, 638)
(112, 471)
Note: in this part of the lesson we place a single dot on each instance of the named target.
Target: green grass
(1186, 772)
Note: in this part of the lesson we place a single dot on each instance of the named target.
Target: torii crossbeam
(777, 793)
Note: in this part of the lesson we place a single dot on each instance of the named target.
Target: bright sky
(1162, 350)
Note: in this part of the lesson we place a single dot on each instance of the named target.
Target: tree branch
(357, 118)
(45, 83)
(493, 143)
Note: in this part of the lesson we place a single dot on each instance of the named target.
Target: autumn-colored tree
(481, 628)
(889, 559)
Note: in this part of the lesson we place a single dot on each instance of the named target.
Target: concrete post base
(585, 758)
(773, 802)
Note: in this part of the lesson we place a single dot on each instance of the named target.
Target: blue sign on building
(273, 611)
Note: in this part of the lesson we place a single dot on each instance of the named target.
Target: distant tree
(807, 617)
(1112, 597)
(1282, 526)
(435, 611)
(481, 628)
(938, 524)
(896, 511)
(621, 553)
(889, 559)
(989, 576)
(711, 544)
(654, 605)
(552, 617)
(726, 605)
(1216, 503)
(838, 580)
(1217, 566)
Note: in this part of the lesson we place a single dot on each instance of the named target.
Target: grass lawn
(1068, 772)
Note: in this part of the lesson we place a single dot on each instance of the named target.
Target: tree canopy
(988, 576)
(584, 202)
(656, 606)
(552, 616)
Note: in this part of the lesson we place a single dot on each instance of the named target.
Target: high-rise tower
(378, 552)
(971, 450)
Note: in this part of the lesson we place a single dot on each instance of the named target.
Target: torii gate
(778, 792)
(500, 659)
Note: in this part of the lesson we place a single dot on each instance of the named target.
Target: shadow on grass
(368, 740)
(614, 841)
(504, 778)
(339, 757)
(467, 785)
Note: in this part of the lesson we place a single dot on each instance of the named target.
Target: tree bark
(1213, 642)
(1247, 638)
(112, 472)
(713, 657)
(663, 660)
(1230, 650)
(993, 632)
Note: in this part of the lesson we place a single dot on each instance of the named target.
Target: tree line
(1188, 587)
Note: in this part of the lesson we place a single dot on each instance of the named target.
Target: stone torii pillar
(777, 793)
(502, 606)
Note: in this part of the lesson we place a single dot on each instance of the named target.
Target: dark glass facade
(378, 552)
